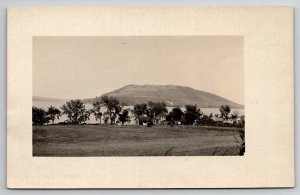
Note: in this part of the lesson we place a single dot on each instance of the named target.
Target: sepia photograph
(138, 96)
(150, 97)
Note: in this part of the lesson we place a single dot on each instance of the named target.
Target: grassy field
(102, 140)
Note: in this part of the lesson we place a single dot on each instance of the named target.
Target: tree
(123, 117)
(145, 119)
(235, 114)
(105, 117)
(113, 107)
(139, 110)
(53, 113)
(85, 116)
(75, 111)
(241, 134)
(225, 110)
(192, 113)
(39, 116)
(175, 115)
(156, 110)
(96, 110)
(206, 119)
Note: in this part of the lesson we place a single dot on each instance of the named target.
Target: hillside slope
(172, 95)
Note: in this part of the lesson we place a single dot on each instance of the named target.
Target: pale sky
(86, 67)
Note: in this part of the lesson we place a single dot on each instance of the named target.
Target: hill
(172, 95)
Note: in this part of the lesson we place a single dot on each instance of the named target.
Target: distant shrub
(206, 120)
(63, 123)
(145, 119)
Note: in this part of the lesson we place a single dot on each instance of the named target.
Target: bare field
(104, 140)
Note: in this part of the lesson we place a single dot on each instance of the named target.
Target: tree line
(145, 113)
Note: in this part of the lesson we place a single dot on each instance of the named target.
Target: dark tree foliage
(175, 115)
(123, 116)
(113, 107)
(140, 110)
(169, 118)
(156, 109)
(235, 114)
(225, 110)
(53, 113)
(75, 111)
(145, 119)
(205, 120)
(241, 132)
(39, 116)
(153, 111)
(192, 113)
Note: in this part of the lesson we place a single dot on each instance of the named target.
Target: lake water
(58, 104)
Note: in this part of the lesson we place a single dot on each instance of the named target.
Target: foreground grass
(102, 140)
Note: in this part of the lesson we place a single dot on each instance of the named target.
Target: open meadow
(113, 140)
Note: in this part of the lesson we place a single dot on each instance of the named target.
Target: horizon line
(41, 96)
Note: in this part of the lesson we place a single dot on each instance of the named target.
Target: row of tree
(153, 112)
(193, 114)
(77, 113)
(40, 116)
(150, 113)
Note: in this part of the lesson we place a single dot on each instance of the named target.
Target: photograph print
(108, 96)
